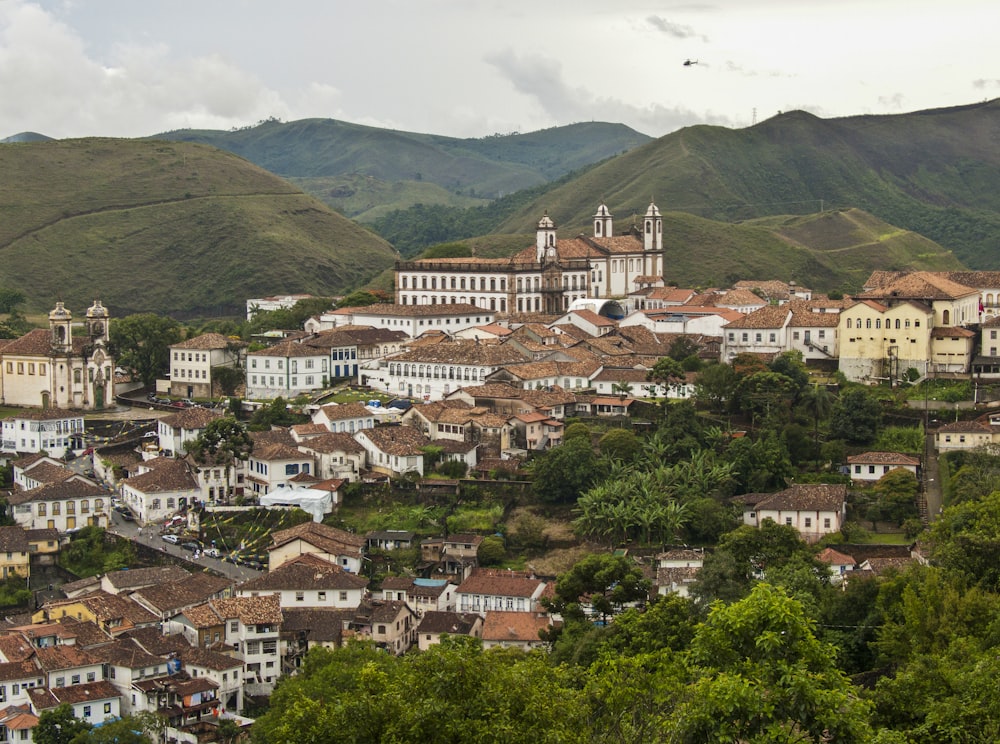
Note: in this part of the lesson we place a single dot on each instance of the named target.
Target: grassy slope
(166, 227)
(314, 149)
(933, 172)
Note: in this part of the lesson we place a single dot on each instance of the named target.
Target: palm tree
(622, 389)
(818, 402)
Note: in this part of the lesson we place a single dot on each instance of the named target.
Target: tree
(561, 474)
(222, 440)
(491, 551)
(228, 378)
(275, 413)
(622, 389)
(666, 372)
(620, 444)
(855, 417)
(577, 429)
(606, 582)
(58, 726)
(142, 344)
(139, 728)
(817, 402)
(10, 299)
(682, 348)
(897, 492)
(759, 674)
(715, 385)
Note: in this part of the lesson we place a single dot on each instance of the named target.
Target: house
(130, 580)
(354, 348)
(677, 570)
(435, 624)
(38, 470)
(839, 563)
(162, 487)
(128, 662)
(423, 595)
(173, 432)
(192, 362)
(49, 430)
(248, 626)
(305, 629)
(432, 371)
(113, 613)
(336, 454)
(286, 370)
(308, 581)
(394, 450)
(964, 435)
(63, 506)
(537, 431)
(15, 553)
(547, 277)
(64, 665)
(274, 466)
(224, 670)
(329, 543)
(415, 318)
(389, 539)
(389, 624)
(504, 629)
(170, 598)
(17, 722)
(60, 366)
(763, 331)
(871, 466)
(93, 702)
(485, 591)
(346, 417)
(813, 509)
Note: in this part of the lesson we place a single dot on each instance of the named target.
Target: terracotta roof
(420, 311)
(133, 578)
(335, 412)
(331, 441)
(173, 596)
(110, 607)
(462, 351)
(274, 435)
(302, 573)
(809, 496)
(288, 349)
(832, 557)
(402, 441)
(330, 539)
(951, 332)
(203, 657)
(514, 627)
(191, 418)
(14, 648)
(37, 342)
(277, 451)
(435, 622)
(208, 342)
(13, 539)
(71, 489)
(152, 640)
(17, 670)
(125, 652)
(49, 472)
(504, 586)
(54, 658)
(769, 316)
(166, 476)
(317, 625)
(263, 610)
(919, 285)
(44, 414)
(883, 458)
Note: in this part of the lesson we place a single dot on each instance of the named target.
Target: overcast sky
(468, 68)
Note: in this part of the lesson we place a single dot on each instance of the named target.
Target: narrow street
(152, 539)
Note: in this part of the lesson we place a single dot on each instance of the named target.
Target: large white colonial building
(60, 367)
(545, 278)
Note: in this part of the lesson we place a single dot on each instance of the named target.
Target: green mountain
(174, 228)
(364, 171)
(934, 172)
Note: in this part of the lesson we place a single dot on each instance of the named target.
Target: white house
(286, 370)
(416, 319)
(346, 417)
(308, 581)
(173, 432)
(432, 371)
(50, 430)
(871, 466)
(63, 506)
(192, 361)
(274, 302)
(274, 466)
(814, 510)
(677, 570)
(394, 450)
(162, 487)
(485, 590)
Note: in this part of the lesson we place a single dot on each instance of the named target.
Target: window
(826, 522)
(60, 681)
(788, 521)
(321, 596)
(86, 711)
(300, 596)
(381, 630)
(107, 708)
(808, 522)
(75, 679)
(343, 596)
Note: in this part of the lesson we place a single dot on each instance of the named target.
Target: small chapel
(63, 366)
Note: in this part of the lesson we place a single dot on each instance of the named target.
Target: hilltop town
(405, 472)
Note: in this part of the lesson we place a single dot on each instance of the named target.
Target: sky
(471, 68)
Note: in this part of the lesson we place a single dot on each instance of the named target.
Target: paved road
(130, 530)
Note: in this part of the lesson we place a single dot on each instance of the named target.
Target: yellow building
(15, 553)
(879, 342)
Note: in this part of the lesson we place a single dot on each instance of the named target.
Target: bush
(491, 551)
(453, 469)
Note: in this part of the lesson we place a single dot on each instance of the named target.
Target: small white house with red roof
(871, 466)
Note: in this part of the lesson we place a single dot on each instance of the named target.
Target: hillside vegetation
(364, 171)
(172, 228)
(935, 172)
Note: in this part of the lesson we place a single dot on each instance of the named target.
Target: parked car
(127, 514)
(192, 546)
(172, 539)
(213, 553)
(255, 565)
